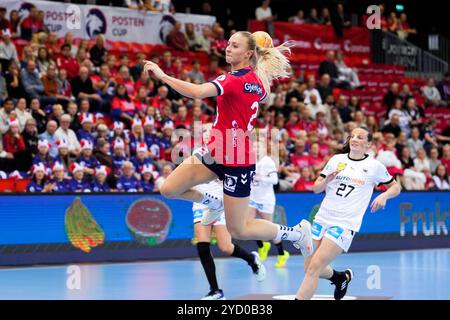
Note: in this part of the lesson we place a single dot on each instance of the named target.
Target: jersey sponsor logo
(316, 229)
(244, 178)
(335, 232)
(198, 214)
(252, 88)
(230, 183)
(221, 78)
(284, 236)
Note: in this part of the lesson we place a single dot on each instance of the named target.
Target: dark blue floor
(422, 274)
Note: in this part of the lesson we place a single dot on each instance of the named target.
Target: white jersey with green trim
(349, 193)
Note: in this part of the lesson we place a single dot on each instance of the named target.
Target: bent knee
(238, 234)
(313, 269)
(227, 248)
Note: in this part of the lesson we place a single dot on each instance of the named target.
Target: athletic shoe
(212, 215)
(341, 286)
(260, 274)
(214, 295)
(264, 251)
(305, 243)
(282, 260)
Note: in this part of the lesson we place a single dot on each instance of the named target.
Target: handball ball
(263, 39)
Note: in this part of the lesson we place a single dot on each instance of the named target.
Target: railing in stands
(390, 49)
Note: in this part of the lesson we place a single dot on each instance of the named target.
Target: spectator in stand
(87, 159)
(148, 175)
(218, 47)
(160, 99)
(63, 154)
(422, 164)
(192, 38)
(43, 61)
(324, 87)
(406, 93)
(434, 159)
(14, 146)
(196, 74)
(136, 135)
(122, 108)
(412, 179)
(8, 50)
(213, 70)
(21, 113)
(205, 40)
(100, 183)
(87, 124)
(49, 135)
(31, 24)
(182, 118)
(78, 183)
(67, 62)
(134, 4)
(42, 155)
(413, 112)
(404, 30)
(264, 12)
(414, 143)
(299, 18)
(127, 182)
(306, 180)
(14, 24)
(176, 39)
(391, 96)
(314, 106)
(31, 81)
(136, 70)
(102, 153)
(7, 113)
(98, 51)
(348, 77)
(4, 23)
(38, 182)
(344, 110)
(340, 20)
(431, 137)
(393, 23)
(311, 89)
(325, 17)
(31, 139)
(393, 126)
(431, 94)
(66, 134)
(64, 87)
(313, 17)
(59, 183)
(329, 67)
(398, 110)
(441, 179)
(13, 80)
(444, 89)
(82, 88)
(125, 78)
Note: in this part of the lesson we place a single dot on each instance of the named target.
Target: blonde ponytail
(273, 63)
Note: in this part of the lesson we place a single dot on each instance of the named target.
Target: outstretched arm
(190, 90)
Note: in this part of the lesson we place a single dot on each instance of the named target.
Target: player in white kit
(203, 236)
(262, 203)
(348, 180)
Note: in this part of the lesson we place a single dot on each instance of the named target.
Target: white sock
(211, 202)
(288, 233)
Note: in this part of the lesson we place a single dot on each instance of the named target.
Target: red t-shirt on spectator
(293, 129)
(446, 163)
(301, 161)
(69, 64)
(128, 83)
(303, 185)
(13, 147)
(123, 105)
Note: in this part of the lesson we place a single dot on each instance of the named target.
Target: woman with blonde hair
(230, 156)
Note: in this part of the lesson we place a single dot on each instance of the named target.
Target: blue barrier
(33, 220)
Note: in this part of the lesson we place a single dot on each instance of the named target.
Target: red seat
(21, 185)
(7, 185)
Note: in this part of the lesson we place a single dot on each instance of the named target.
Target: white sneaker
(305, 243)
(260, 274)
(212, 215)
(214, 295)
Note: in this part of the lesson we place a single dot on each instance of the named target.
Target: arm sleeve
(330, 167)
(222, 83)
(382, 176)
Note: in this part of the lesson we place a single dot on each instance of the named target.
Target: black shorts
(237, 181)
